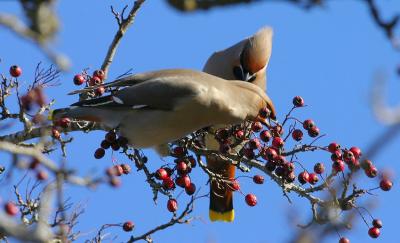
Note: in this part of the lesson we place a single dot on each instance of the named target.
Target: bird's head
(254, 58)
(245, 61)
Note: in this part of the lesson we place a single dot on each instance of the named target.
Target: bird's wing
(135, 79)
(163, 90)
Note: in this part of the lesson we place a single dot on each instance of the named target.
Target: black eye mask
(241, 73)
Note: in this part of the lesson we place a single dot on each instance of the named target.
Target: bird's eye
(238, 73)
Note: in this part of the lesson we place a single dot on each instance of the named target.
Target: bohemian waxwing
(159, 107)
(246, 61)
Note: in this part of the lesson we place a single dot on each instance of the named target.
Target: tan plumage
(158, 107)
(246, 61)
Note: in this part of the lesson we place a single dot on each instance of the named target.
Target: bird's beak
(263, 121)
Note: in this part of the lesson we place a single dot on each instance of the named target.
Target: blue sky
(328, 56)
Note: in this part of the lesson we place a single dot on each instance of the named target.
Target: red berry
(126, 168)
(79, 79)
(298, 101)
(99, 153)
(371, 172)
(239, 134)
(251, 200)
(374, 232)
(319, 168)
(256, 127)
(289, 167)
(161, 174)
(34, 163)
(55, 133)
(95, 81)
(277, 130)
(39, 96)
(337, 155)
(313, 178)
(11, 209)
(386, 184)
(234, 185)
(169, 171)
(168, 184)
(42, 175)
(99, 91)
(344, 240)
(303, 177)
(356, 152)
(105, 144)
(308, 124)
(269, 153)
(64, 122)
(179, 151)
(128, 226)
(115, 146)
(348, 157)
(183, 181)
(254, 143)
(265, 112)
(258, 179)
(278, 142)
(15, 71)
(313, 132)
(192, 162)
(117, 170)
(265, 136)
(377, 223)
(191, 189)
(110, 136)
(280, 160)
(182, 168)
(367, 164)
(172, 205)
(333, 147)
(297, 135)
(115, 182)
(338, 166)
(100, 74)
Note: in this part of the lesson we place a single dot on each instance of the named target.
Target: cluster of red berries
(41, 174)
(116, 171)
(58, 125)
(269, 144)
(373, 232)
(179, 175)
(97, 79)
(111, 140)
(34, 96)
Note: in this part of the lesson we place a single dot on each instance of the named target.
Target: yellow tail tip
(225, 216)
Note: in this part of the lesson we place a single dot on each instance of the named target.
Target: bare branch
(123, 25)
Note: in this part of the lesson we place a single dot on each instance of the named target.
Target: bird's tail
(221, 196)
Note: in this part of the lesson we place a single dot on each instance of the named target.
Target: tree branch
(123, 25)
